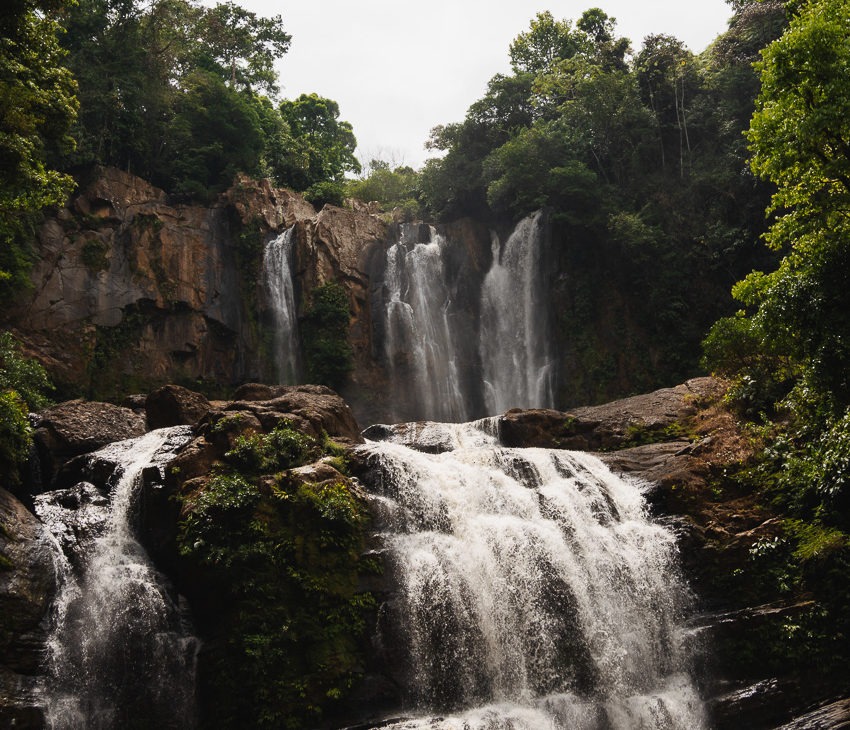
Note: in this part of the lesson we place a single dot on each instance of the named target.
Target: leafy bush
(284, 559)
(324, 330)
(282, 448)
(23, 387)
(327, 192)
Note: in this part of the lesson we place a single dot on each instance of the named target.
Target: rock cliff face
(131, 291)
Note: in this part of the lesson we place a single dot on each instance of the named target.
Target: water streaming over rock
(420, 341)
(280, 293)
(516, 362)
(121, 653)
(534, 591)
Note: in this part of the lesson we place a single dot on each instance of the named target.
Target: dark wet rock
(27, 585)
(135, 402)
(832, 716)
(174, 405)
(80, 427)
(76, 516)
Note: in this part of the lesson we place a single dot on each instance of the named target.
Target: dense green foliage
(37, 107)
(640, 157)
(283, 557)
(393, 187)
(324, 329)
(183, 95)
(786, 352)
(23, 388)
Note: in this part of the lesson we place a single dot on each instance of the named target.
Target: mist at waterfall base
(121, 653)
(533, 590)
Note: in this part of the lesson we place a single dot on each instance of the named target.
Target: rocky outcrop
(313, 409)
(27, 584)
(132, 291)
(79, 427)
(173, 405)
(653, 416)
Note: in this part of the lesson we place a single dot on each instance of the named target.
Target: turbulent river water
(121, 653)
(534, 591)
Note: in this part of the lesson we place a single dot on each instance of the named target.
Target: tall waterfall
(121, 653)
(459, 343)
(534, 591)
(420, 341)
(277, 275)
(516, 363)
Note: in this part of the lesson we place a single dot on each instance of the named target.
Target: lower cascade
(534, 591)
(121, 653)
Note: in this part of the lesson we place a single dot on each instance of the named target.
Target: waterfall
(121, 653)
(277, 276)
(459, 343)
(534, 593)
(420, 342)
(516, 363)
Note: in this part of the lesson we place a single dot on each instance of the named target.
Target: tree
(136, 61)
(242, 46)
(216, 133)
(37, 107)
(323, 145)
(392, 188)
(667, 76)
(800, 138)
(546, 41)
(604, 47)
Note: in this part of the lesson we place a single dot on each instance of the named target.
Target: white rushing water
(121, 653)
(420, 342)
(280, 291)
(516, 362)
(535, 592)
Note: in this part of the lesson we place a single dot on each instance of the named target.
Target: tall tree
(243, 46)
(800, 138)
(37, 107)
(323, 144)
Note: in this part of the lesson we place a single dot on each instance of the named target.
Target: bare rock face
(131, 291)
(349, 247)
(278, 208)
(27, 583)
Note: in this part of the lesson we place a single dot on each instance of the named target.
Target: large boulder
(651, 416)
(314, 409)
(174, 405)
(79, 427)
(27, 585)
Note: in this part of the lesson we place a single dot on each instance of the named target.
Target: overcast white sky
(399, 68)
